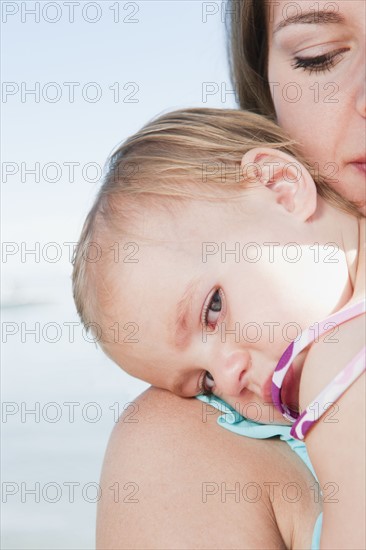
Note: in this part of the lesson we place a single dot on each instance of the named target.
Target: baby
(216, 261)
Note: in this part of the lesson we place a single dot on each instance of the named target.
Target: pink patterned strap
(329, 395)
(307, 337)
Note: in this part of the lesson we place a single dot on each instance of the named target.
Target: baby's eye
(207, 383)
(212, 309)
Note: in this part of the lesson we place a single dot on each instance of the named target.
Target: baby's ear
(293, 187)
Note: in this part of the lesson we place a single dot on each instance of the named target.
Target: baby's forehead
(162, 243)
(143, 301)
(145, 265)
(186, 219)
(167, 245)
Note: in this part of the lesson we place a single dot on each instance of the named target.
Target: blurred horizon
(157, 56)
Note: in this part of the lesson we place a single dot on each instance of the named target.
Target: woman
(194, 497)
(307, 72)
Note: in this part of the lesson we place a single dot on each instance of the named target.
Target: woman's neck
(349, 233)
(359, 284)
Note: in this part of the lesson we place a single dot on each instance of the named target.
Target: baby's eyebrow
(184, 309)
(314, 17)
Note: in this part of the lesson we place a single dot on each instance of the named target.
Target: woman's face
(316, 70)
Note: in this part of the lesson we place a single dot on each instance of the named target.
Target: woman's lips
(360, 166)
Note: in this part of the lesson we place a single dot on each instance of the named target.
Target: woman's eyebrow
(184, 309)
(311, 17)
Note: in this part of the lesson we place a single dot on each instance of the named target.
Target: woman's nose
(361, 101)
(361, 92)
(229, 372)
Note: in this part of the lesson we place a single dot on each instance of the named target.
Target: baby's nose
(229, 372)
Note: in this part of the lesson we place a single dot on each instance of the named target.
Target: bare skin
(170, 452)
(173, 459)
(331, 130)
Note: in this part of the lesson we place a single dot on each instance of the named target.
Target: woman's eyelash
(318, 64)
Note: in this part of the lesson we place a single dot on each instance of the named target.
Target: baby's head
(174, 244)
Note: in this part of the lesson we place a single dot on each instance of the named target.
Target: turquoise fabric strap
(315, 543)
(235, 422)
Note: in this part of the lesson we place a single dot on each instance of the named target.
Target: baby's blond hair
(186, 154)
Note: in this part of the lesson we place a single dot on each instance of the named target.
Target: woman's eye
(211, 311)
(318, 64)
(207, 383)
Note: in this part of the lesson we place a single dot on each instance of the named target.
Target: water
(76, 394)
(171, 67)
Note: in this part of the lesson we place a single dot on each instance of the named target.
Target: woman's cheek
(311, 126)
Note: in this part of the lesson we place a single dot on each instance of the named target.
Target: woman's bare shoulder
(329, 354)
(338, 437)
(175, 479)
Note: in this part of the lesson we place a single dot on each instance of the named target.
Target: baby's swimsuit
(235, 422)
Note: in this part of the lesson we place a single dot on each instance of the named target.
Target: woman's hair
(248, 55)
(183, 155)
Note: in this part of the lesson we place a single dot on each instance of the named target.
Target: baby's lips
(289, 390)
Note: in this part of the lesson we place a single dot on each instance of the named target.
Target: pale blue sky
(169, 53)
